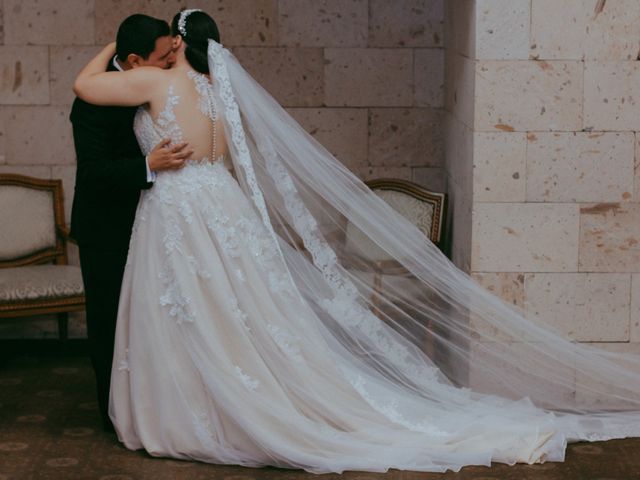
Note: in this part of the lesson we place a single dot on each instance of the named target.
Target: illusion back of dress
(187, 113)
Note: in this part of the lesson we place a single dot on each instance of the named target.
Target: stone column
(460, 53)
(547, 156)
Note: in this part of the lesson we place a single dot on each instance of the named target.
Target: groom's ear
(134, 60)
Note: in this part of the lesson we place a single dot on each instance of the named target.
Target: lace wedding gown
(220, 358)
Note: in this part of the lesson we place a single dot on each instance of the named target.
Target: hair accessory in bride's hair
(182, 21)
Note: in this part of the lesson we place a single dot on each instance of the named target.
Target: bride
(247, 332)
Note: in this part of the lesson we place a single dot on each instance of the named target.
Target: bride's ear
(177, 43)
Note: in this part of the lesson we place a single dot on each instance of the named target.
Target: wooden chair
(34, 276)
(422, 207)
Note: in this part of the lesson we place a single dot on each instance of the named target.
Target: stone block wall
(554, 159)
(365, 77)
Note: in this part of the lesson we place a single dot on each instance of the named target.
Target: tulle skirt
(219, 358)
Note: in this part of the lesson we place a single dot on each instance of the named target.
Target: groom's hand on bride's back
(167, 157)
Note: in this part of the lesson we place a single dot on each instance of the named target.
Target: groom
(111, 172)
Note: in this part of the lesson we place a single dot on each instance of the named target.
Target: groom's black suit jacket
(110, 173)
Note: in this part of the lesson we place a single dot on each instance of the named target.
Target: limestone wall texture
(551, 157)
(365, 77)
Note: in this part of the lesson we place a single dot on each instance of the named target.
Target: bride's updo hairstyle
(196, 28)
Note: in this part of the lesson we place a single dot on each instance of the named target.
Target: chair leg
(63, 321)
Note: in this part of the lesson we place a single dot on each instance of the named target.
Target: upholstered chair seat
(39, 283)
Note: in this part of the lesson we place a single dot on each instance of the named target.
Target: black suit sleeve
(99, 169)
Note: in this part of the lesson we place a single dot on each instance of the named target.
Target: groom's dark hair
(138, 34)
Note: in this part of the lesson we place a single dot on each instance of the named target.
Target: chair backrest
(422, 207)
(32, 220)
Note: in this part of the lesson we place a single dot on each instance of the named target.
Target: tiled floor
(49, 429)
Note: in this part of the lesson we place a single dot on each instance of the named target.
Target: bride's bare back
(184, 108)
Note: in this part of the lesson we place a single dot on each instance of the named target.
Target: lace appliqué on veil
(390, 411)
(238, 138)
(251, 383)
(285, 341)
(344, 307)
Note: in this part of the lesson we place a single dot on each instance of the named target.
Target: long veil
(326, 221)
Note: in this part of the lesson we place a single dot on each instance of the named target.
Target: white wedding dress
(220, 358)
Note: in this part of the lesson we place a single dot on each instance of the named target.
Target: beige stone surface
(110, 13)
(499, 166)
(431, 178)
(490, 356)
(66, 173)
(580, 167)
(25, 75)
(361, 77)
(49, 22)
(614, 32)
(610, 237)
(459, 166)
(577, 30)
(507, 286)
(429, 77)
(636, 181)
(592, 392)
(65, 63)
(37, 171)
(560, 35)
(406, 23)
(549, 95)
(323, 23)
(1, 24)
(460, 27)
(459, 146)
(502, 29)
(243, 22)
(343, 131)
(292, 75)
(611, 93)
(3, 136)
(38, 136)
(588, 307)
(365, 172)
(461, 214)
(460, 91)
(406, 137)
(516, 237)
(635, 308)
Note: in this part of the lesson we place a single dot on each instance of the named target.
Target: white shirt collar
(116, 64)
